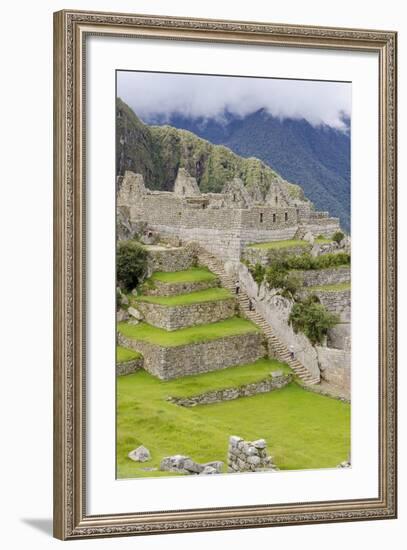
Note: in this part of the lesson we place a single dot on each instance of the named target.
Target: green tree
(338, 236)
(131, 264)
(311, 318)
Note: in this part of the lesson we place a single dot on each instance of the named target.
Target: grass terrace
(231, 377)
(208, 295)
(338, 287)
(293, 243)
(280, 245)
(323, 240)
(191, 335)
(124, 354)
(193, 275)
(303, 429)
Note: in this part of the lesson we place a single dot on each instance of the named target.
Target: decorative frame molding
(70, 31)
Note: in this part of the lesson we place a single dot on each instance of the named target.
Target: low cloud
(160, 95)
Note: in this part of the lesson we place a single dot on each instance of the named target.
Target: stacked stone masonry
(176, 317)
(329, 276)
(224, 222)
(174, 362)
(169, 259)
(248, 456)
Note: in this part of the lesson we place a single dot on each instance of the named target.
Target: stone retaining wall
(274, 381)
(225, 243)
(169, 259)
(176, 317)
(174, 362)
(161, 288)
(248, 456)
(339, 336)
(129, 367)
(335, 366)
(329, 276)
(338, 302)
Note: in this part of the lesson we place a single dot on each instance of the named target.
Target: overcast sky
(159, 94)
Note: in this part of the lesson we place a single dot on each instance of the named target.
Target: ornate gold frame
(70, 31)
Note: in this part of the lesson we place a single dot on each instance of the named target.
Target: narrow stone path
(277, 346)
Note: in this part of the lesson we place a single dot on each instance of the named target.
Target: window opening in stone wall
(286, 216)
(274, 218)
(261, 217)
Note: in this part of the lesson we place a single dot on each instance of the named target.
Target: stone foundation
(248, 456)
(274, 381)
(176, 317)
(174, 362)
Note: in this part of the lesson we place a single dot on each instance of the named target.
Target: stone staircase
(276, 345)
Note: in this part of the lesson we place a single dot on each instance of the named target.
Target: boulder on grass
(141, 454)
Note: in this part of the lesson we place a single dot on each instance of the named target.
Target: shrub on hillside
(338, 236)
(306, 261)
(257, 271)
(131, 264)
(311, 318)
(289, 282)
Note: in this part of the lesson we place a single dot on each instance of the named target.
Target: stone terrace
(192, 332)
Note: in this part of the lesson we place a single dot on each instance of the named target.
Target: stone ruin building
(223, 223)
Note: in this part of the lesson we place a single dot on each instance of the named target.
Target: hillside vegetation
(157, 152)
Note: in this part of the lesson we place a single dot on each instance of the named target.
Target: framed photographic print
(225, 274)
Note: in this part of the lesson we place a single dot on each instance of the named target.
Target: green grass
(302, 429)
(125, 354)
(193, 275)
(280, 245)
(209, 295)
(191, 335)
(338, 287)
(323, 240)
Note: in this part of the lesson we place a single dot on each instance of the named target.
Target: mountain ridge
(157, 152)
(315, 157)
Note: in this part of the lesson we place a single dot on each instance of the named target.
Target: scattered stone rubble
(344, 464)
(185, 465)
